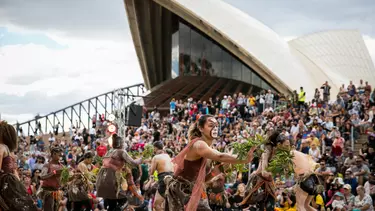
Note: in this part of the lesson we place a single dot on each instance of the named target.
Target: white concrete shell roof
(339, 55)
(334, 56)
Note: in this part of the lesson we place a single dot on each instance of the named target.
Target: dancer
(308, 184)
(79, 188)
(109, 179)
(13, 195)
(51, 172)
(261, 189)
(185, 188)
(162, 163)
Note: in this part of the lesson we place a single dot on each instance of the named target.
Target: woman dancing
(261, 189)
(13, 195)
(185, 188)
(109, 178)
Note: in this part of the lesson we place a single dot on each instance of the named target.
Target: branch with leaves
(241, 149)
(282, 162)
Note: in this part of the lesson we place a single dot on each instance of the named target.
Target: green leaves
(64, 177)
(148, 152)
(282, 162)
(241, 149)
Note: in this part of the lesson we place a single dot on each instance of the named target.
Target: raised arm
(203, 150)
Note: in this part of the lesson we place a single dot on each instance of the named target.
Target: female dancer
(13, 195)
(109, 180)
(185, 188)
(79, 188)
(261, 189)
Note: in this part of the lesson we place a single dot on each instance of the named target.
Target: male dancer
(162, 163)
(50, 176)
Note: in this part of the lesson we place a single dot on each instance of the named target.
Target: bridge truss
(80, 115)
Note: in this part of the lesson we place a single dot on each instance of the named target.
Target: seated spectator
(363, 201)
(348, 197)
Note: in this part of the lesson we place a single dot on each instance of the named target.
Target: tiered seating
(220, 83)
(198, 92)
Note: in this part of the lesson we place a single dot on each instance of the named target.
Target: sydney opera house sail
(179, 42)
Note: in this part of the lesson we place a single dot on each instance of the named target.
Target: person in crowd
(108, 184)
(186, 187)
(13, 195)
(348, 197)
(363, 201)
(161, 163)
(50, 189)
(79, 189)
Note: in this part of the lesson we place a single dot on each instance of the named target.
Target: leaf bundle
(148, 151)
(242, 149)
(282, 162)
(65, 175)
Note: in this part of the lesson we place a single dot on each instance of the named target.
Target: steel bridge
(80, 115)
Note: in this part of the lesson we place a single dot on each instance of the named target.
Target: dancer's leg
(307, 204)
(159, 200)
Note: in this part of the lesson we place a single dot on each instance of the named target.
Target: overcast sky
(54, 53)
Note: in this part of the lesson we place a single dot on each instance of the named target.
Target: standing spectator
(326, 92)
(172, 106)
(301, 98)
(269, 99)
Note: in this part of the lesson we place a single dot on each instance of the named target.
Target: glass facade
(201, 56)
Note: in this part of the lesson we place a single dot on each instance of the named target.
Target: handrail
(352, 137)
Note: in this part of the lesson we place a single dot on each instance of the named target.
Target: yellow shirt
(252, 101)
(315, 141)
(319, 200)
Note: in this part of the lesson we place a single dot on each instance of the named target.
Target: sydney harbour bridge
(82, 113)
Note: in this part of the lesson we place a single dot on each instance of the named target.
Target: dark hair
(8, 135)
(117, 142)
(158, 145)
(55, 150)
(276, 138)
(194, 131)
(88, 155)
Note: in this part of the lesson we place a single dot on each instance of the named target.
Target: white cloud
(82, 66)
(86, 68)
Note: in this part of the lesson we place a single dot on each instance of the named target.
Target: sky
(55, 53)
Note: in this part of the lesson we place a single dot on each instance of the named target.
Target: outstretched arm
(203, 150)
(130, 160)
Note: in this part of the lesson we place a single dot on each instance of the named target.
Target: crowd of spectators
(323, 128)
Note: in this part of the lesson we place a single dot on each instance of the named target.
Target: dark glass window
(236, 69)
(199, 55)
(217, 58)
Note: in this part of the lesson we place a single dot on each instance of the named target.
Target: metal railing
(352, 137)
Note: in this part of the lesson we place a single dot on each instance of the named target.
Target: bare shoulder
(200, 144)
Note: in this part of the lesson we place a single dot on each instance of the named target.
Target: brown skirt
(258, 189)
(178, 194)
(107, 186)
(13, 195)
